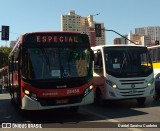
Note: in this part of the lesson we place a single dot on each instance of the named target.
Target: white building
(86, 25)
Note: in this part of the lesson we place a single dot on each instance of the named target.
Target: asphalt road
(121, 115)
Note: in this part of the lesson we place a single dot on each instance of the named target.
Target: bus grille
(135, 81)
(127, 90)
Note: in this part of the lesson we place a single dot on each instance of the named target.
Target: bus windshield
(53, 63)
(127, 61)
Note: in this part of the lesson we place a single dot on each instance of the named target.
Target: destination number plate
(133, 91)
(62, 101)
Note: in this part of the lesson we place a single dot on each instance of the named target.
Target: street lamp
(90, 17)
(96, 14)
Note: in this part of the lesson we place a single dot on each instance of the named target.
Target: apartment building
(152, 31)
(86, 25)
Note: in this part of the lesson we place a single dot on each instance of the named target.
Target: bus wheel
(16, 98)
(141, 101)
(12, 97)
(156, 97)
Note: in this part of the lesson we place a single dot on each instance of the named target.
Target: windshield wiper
(124, 61)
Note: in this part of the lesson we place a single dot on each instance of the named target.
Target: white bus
(122, 72)
(155, 57)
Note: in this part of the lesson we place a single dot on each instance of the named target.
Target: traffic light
(5, 33)
(98, 30)
(157, 42)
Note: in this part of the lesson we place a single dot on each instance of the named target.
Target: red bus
(51, 70)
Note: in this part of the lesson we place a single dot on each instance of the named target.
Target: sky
(123, 16)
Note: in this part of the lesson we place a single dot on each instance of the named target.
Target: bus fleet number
(73, 91)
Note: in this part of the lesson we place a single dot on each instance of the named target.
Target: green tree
(4, 53)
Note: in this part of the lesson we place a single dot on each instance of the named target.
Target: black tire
(12, 97)
(156, 97)
(141, 101)
(16, 99)
(11, 91)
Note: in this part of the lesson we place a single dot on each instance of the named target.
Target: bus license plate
(133, 91)
(62, 101)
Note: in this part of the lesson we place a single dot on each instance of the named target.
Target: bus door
(98, 72)
(13, 75)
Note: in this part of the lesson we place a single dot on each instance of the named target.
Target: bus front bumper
(31, 104)
(130, 94)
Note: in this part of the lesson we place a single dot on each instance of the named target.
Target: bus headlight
(30, 94)
(150, 82)
(27, 92)
(112, 84)
(87, 90)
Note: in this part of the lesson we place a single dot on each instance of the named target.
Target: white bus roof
(122, 45)
(156, 46)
